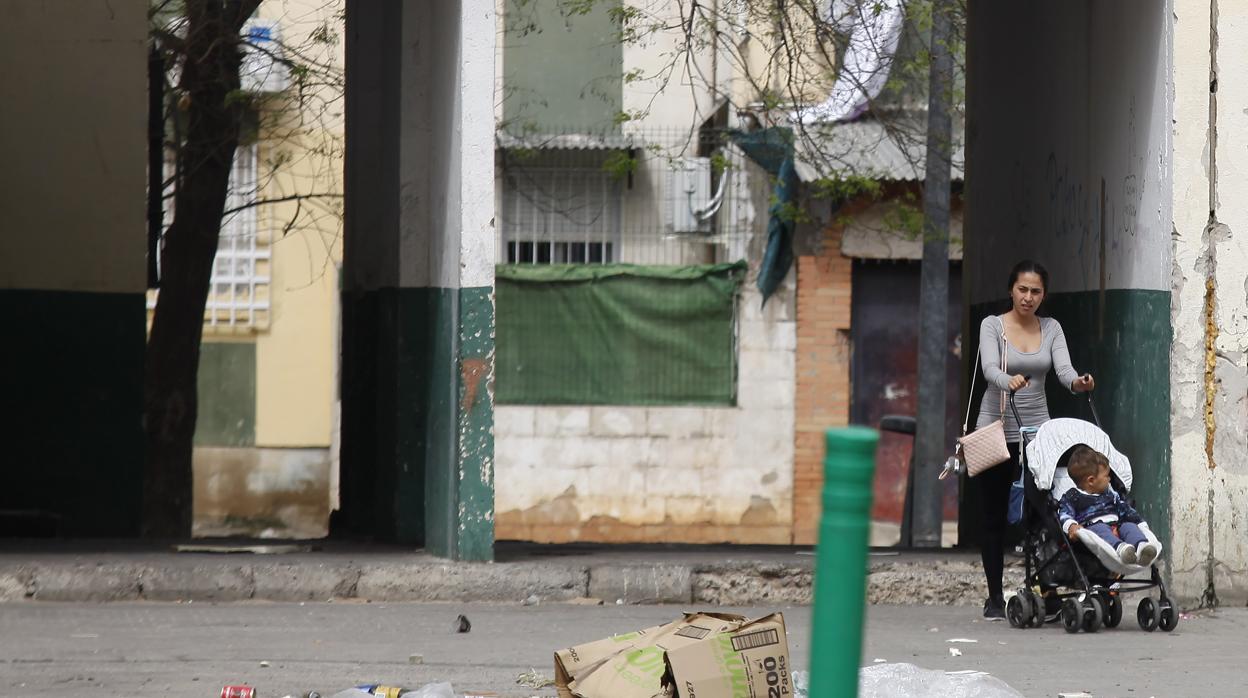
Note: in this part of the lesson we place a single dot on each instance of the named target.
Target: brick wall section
(822, 368)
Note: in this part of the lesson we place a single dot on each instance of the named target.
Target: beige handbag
(985, 447)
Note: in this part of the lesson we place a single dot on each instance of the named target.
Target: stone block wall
(681, 474)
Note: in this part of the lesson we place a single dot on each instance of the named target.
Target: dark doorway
(885, 377)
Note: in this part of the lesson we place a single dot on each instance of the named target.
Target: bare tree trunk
(930, 447)
(210, 83)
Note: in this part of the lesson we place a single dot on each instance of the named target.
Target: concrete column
(418, 315)
(72, 275)
(1209, 369)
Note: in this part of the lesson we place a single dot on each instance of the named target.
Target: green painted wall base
(71, 411)
(417, 448)
(1125, 344)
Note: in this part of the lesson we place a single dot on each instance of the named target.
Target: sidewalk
(82, 570)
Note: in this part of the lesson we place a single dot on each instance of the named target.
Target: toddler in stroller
(1094, 505)
(1071, 572)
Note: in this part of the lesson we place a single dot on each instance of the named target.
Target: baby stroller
(1082, 582)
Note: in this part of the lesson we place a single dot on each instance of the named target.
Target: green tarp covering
(616, 334)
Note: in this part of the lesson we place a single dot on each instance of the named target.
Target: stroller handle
(1096, 417)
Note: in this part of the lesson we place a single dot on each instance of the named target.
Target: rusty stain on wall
(473, 371)
(1211, 360)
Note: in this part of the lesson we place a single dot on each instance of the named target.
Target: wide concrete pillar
(1209, 358)
(72, 275)
(418, 261)
(1068, 163)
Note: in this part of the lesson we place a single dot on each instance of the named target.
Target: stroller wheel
(1093, 613)
(1167, 618)
(1114, 615)
(1036, 619)
(1017, 611)
(1072, 615)
(1146, 614)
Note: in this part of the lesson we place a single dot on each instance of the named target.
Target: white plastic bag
(910, 681)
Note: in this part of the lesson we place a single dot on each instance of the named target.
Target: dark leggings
(994, 497)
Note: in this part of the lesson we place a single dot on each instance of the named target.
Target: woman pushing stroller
(1029, 347)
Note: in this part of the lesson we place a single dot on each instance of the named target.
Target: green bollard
(841, 562)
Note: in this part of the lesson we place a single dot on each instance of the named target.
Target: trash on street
(698, 654)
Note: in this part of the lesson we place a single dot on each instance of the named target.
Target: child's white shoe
(1147, 554)
(1126, 553)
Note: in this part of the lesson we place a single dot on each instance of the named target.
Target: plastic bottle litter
(432, 690)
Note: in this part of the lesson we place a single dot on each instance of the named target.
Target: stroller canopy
(1057, 436)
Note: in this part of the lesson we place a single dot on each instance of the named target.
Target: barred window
(238, 295)
(561, 216)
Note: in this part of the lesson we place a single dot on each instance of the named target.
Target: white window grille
(561, 216)
(238, 295)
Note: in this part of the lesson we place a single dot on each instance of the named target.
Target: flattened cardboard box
(632, 665)
(750, 661)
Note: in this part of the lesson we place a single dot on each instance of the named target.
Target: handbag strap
(971, 397)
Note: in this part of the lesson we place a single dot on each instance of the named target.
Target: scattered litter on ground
(955, 652)
(433, 690)
(1076, 694)
(462, 624)
(878, 660)
(910, 681)
(531, 600)
(699, 652)
(264, 664)
(532, 679)
(801, 684)
(415, 659)
(960, 639)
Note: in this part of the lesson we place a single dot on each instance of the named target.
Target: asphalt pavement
(63, 650)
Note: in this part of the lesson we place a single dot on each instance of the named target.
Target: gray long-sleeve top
(1033, 408)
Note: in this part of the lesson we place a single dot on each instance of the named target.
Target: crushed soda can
(238, 692)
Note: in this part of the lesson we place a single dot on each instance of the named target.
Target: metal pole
(930, 446)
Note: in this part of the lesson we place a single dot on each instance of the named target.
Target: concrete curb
(931, 581)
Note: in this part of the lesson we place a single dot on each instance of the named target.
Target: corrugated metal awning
(895, 150)
(564, 141)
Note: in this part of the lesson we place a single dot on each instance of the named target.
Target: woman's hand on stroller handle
(1083, 384)
(1017, 382)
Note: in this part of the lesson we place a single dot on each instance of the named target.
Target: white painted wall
(446, 190)
(1076, 99)
(1209, 492)
(73, 128)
